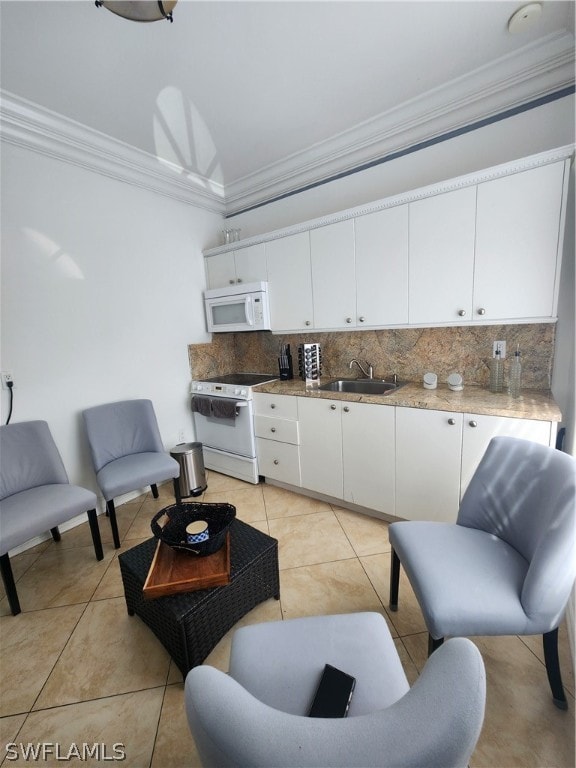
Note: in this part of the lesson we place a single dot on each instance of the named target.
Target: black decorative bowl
(218, 516)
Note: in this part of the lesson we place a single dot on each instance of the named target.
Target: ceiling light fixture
(145, 10)
(524, 18)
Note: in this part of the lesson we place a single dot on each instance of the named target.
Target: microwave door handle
(249, 310)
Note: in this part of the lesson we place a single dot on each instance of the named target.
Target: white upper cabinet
(246, 265)
(333, 275)
(483, 248)
(517, 245)
(382, 267)
(290, 282)
(442, 257)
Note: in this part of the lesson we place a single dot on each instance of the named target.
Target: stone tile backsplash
(408, 352)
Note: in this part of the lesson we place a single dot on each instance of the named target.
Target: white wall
(525, 134)
(101, 295)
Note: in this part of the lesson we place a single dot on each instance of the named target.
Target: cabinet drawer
(278, 461)
(280, 406)
(272, 428)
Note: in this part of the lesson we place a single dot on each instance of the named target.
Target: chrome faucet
(369, 374)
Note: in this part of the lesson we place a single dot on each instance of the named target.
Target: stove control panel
(220, 390)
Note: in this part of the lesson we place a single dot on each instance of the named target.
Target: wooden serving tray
(173, 572)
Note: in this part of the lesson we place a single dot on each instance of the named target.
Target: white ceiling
(270, 95)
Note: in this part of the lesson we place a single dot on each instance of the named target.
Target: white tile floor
(75, 668)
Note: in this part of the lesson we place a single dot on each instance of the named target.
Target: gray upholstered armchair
(127, 451)
(508, 564)
(256, 714)
(35, 494)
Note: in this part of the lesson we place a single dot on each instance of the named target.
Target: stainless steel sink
(361, 386)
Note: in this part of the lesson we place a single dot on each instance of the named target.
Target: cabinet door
(479, 430)
(382, 267)
(333, 275)
(368, 449)
(251, 264)
(517, 243)
(320, 445)
(290, 282)
(428, 452)
(442, 257)
(220, 270)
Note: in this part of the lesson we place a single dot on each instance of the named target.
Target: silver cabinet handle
(272, 429)
(361, 318)
(451, 422)
(307, 322)
(481, 311)
(462, 312)
(346, 409)
(332, 407)
(473, 423)
(348, 319)
(276, 461)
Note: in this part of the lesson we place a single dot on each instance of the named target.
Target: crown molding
(565, 153)
(25, 124)
(531, 73)
(488, 93)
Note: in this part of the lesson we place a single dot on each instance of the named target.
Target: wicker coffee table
(190, 625)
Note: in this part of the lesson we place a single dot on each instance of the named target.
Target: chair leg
(55, 533)
(177, 494)
(9, 585)
(550, 642)
(111, 511)
(95, 531)
(433, 644)
(154, 488)
(394, 581)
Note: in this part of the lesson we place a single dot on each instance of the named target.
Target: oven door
(232, 435)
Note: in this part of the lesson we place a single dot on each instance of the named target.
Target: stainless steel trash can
(192, 480)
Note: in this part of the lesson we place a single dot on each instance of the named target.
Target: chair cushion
(286, 678)
(136, 471)
(468, 582)
(37, 510)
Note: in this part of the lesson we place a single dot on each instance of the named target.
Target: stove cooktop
(241, 379)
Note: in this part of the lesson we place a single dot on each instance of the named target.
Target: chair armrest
(438, 721)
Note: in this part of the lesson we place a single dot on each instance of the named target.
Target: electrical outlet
(181, 438)
(6, 377)
(501, 345)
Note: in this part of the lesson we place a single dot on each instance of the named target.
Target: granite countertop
(532, 404)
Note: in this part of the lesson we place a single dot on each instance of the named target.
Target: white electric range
(224, 421)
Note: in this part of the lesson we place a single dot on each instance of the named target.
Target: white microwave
(240, 307)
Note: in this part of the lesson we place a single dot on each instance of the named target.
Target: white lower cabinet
(437, 453)
(428, 451)
(347, 451)
(410, 463)
(277, 437)
(479, 430)
(368, 451)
